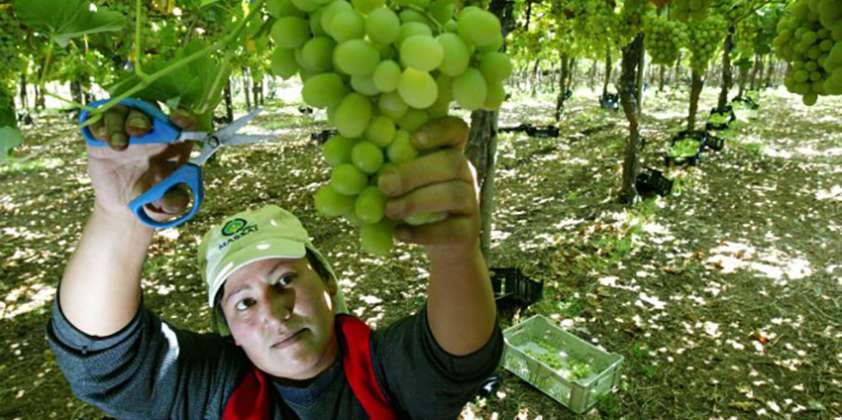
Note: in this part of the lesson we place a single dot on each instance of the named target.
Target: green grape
(409, 15)
(290, 32)
(421, 52)
(330, 203)
(346, 25)
(496, 96)
(495, 66)
(370, 205)
(352, 115)
(348, 180)
(381, 131)
(470, 89)
(366, 6)
(386, 76)
(479, 27)
(323, 90)
(329, 11)
(401, 150)
(382, 26)
(317, 54)
(316, 23)
(377, 238)
(337, 150)
(411, 29)
(367, 157)
(306, 5)
(364, 85)
(417, 88)
(356, 57)
(413, 119)
(442, 10)
(392, 105)
(283, 63)
(834, 59)
(282, 8)
(456, 56)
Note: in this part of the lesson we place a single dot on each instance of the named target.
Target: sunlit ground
(724, 298)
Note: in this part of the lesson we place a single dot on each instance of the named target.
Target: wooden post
(727, 79)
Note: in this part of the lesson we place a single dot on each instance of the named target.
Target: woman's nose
(277, 310)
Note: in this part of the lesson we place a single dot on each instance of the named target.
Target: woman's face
(280, 312)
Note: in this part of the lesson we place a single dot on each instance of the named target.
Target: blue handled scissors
(190, 173)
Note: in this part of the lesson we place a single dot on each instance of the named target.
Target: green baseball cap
(254, 235)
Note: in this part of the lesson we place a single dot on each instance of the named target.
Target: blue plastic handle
(188, 174)
(162, 131)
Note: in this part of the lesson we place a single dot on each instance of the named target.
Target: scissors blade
(192, 135)
(231, 129)
(241, 139)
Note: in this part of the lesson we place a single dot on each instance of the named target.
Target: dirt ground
(723, 298)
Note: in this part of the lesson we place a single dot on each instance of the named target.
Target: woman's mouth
(289, 340)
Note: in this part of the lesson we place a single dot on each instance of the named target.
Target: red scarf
(251, 400)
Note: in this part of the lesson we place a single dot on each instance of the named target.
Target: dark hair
(218, 321)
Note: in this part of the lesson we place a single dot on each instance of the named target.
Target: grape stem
(439, 27)
(137, 21)
(181, 63)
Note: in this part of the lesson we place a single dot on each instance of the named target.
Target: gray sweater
(152, 370)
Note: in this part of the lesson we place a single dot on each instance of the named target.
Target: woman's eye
(285, 280)
(244, 304)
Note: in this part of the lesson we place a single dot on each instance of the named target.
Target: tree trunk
(528, 13)
(695, 91)
(727, 80)
(229, 105)
(255, 89)
(592, 76)
(631, 60)
(246, 89)
(676, 75)
(76, 92)
(534, 82)
(607, 72)
(770, 70)
(562, 86)
(481, 151)
(663, 70)
(753, 83)
(641, 66)
(24, 101)
(40, 103)
(742, 76)
(571, 73)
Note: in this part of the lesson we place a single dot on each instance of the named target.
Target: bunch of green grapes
(690, 9)
(704, 37)
(381, 73)
(810, 40)
(664, 39)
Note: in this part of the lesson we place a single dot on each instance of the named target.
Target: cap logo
(233, 227)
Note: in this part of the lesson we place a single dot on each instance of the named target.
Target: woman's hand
(442, 180)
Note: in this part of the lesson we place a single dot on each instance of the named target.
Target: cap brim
(260, 250)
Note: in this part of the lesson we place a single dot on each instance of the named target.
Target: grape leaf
(67, 19)
(191, 87)
(9, 138)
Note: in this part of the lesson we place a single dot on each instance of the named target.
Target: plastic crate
(579, 395)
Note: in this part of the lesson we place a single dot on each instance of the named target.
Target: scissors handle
(188, 174)
(162, 131)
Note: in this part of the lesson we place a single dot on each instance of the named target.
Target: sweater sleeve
(148, 370)
(423, 379)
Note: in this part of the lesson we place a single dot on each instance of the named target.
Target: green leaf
(67, 19)
(207, 2)
(9, 138)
